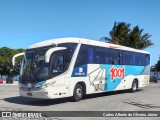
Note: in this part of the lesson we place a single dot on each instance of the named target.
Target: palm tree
(138, 40)
(118, 34)
(121, 34)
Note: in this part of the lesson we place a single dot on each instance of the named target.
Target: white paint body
(95, 81)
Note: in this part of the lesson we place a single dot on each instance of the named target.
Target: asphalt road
(147, 99)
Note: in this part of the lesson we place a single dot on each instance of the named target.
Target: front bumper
(41, 94)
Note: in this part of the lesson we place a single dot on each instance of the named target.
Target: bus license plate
(29, 94)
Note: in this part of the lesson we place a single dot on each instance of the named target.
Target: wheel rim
(134, 86)
(79, 92)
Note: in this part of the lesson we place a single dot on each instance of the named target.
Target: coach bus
(74, 67)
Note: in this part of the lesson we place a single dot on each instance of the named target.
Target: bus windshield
(35, 68)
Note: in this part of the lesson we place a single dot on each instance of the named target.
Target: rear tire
(134, 86)
(77, 93)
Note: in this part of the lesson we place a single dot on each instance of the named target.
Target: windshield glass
(34, 68)
(57, 63)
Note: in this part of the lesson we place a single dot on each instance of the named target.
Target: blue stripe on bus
(40, 83)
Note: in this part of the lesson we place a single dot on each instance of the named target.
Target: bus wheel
(78, 93)
(134, 86)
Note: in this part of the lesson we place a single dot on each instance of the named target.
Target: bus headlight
(47, 85)
(35, 87)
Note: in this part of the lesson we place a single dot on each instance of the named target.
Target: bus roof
(83, 41)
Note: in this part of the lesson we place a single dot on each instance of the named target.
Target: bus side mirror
(50, 51)
(15, 56)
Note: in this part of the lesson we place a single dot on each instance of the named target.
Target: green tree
(157, 66)
(121, 34)
(6, 55)
(138, 40)
(118, 34)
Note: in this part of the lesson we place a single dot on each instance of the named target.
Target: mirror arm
(50, 51)
(15, 56)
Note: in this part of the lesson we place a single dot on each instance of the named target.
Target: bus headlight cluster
(36, 87)
(47, 85)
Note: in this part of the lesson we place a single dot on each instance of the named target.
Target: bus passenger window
(82, 56)
(137, 59)
(114, 56)
(127, 58)
(144, 59)
(147, 59)
(90, 55)
(101, 55)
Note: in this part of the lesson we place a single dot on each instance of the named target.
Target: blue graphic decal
(114, 73)
(40, 83)
(80, 71)
(110, 84)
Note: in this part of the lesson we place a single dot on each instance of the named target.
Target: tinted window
(101, 55)
(120, 57)
(136, 59)
(144, 59)
(57, 63)
(114, 56)
(141, 59)
(82, 57)
(68, 52)
(92, 55)
(127, 58)
(147, 59)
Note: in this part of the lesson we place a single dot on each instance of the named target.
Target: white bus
(74, 67)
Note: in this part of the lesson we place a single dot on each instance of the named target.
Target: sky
(24, 22)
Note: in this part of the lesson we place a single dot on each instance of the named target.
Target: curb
(7, 84)
(14, 83)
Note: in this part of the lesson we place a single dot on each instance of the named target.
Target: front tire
(77, 93)
(134, 86)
